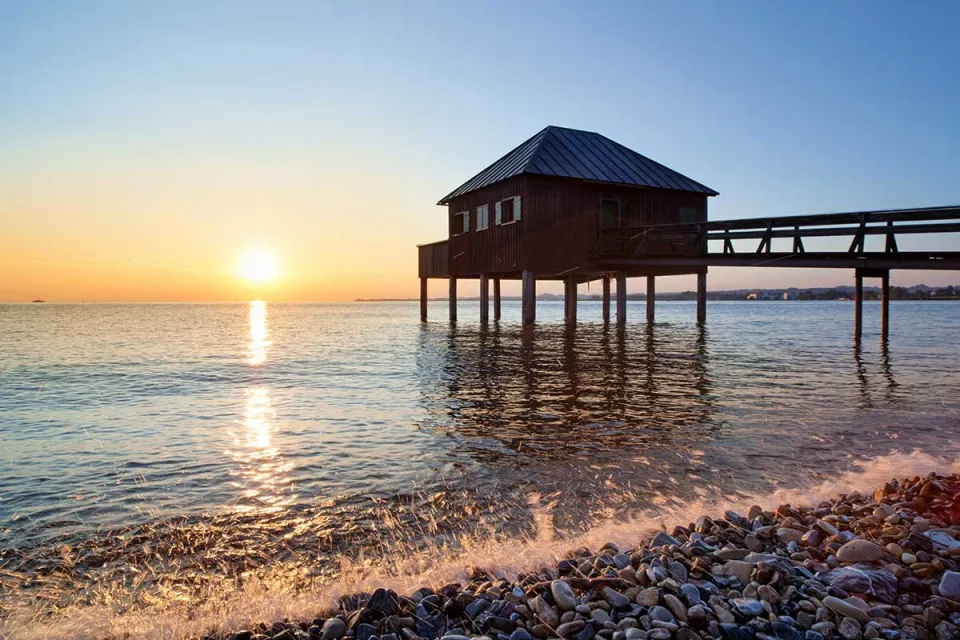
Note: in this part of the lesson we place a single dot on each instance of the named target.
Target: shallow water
(227, 436)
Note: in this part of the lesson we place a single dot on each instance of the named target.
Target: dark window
(506, 211)
(609, 214)
(460, 223)
(688, 214)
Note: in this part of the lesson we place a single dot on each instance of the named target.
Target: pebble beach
(884, 566)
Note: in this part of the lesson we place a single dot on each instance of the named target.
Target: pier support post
(701, 297)
(484, 298)
(885, 305)
(570, 300)
(858, 306)
(423, 299)
(651, 298)
(621, 298)
(496, 299)
(605, 285)
(529, 298)
(453, 299)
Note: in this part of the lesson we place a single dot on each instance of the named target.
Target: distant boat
(39, 300)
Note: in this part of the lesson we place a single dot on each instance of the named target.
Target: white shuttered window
(483, 217)
(499, 214)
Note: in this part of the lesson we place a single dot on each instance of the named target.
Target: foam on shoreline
(288, 593)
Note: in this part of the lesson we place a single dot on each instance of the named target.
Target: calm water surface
(269, 416)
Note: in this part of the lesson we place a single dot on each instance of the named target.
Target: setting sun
(257, 266)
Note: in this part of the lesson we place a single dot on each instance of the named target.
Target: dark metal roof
(571, 153)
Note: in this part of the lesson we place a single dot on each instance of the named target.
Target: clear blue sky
(782, 107)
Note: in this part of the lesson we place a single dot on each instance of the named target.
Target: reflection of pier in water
(558, 392)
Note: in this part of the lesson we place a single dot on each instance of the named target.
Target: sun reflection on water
(258, 333)
(261, 474)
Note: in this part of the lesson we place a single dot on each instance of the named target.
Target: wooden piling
(423, 299)
(496, 299)
(570, 300)
(651, 298)
(529, 298)
(484, 298)
(621, 298)
(885, 305)
(605, 304)
(453, 299)
(858, 306)
(701, 297)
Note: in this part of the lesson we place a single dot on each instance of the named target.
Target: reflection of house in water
(557, 393)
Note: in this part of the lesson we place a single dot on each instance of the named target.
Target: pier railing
(689, 243)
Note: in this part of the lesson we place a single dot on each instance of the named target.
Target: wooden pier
(574, 206)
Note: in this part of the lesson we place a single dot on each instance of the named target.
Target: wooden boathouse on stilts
(575, 206)
(541, 212)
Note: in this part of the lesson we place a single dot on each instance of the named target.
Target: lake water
(231, 435)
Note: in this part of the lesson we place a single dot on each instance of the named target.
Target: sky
(145, 146)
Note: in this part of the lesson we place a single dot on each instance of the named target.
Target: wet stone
(648, 597)
(333, 629)
(748, 608)
(476, 607)
(615, 599)
(786, 632)
(569, 629)
(850, 629)
(664, 539)
(950, 586)
(365, 631)
(690, 593)
(860, 551)
(661, 614)
(563, 595)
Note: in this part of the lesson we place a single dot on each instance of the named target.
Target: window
(483, 217)
(508, 210)
(609, 214)
(688, 214)
(460, 223)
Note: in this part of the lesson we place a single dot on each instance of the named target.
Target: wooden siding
(434, 259)
(495, 250)
(562, 221)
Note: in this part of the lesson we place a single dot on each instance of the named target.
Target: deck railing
(691, 239)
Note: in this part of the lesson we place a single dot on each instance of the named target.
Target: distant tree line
(896, 293)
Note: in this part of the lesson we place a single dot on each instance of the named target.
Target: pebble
(673, 603)
(567, 629)
(844, 608)
(748, 608)
(860, 551)
(333, 629)
(615, 599)
(648, 597)
(563, 595)
(850, 629)
(949, 586)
